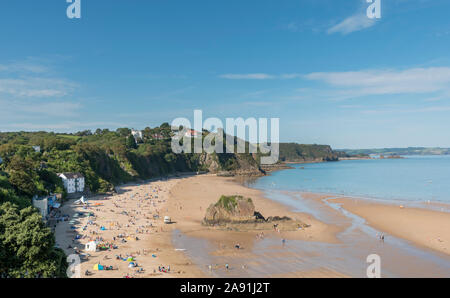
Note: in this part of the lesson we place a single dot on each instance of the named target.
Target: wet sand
(336, 244)
(185, 199)
(425, 228)
(191, 197)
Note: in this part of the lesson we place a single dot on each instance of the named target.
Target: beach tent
(81, 201)
(91, 246)
(97, 267)
(130, 259)
(131, 265)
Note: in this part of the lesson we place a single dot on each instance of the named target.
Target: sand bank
(138, 211)
(425, 228)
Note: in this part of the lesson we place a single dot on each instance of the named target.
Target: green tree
(123, 132)
(27, 246)
(131, 142)
(21, 175)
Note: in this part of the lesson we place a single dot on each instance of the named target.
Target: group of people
(138, 219)
(164, 269)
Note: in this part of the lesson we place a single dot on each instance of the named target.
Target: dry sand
(424, 228)
(192, 196)
(185, 199)
(129, 213)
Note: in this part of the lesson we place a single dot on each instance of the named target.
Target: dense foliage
(105, 158)
(292, 152)
(27, 246)
(400, 151)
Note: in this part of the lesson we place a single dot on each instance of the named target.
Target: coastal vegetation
(399, 151)
(30, 162)
(27, 246)
(292, 152)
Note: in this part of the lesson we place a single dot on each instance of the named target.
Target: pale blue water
(415, 178)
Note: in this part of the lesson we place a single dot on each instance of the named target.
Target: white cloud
(36, 87)
(353, 23)
(377, 82)
(32, 91)
(402, 110)
(13, 110)
(31, 80)
(19, 67)
(250, 76)
(65, 126)
(259, 76)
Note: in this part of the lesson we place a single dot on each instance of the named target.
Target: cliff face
(232, 164)
(291, 152)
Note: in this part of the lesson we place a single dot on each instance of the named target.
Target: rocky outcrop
(239, 211)
(232, 209)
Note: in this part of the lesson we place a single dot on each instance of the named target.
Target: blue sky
(329, 73)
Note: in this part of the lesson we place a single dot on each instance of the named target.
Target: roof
(72, 175)
(192, 132)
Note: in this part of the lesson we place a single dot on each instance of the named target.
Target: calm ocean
(415, 178)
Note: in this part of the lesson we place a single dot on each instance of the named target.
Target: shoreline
(404, 216)
(425, 228)
(185, 199)
(323, 232)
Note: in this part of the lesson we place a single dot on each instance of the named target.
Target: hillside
(106, 158)
(30, 162)
(400, 151)
(292, 152)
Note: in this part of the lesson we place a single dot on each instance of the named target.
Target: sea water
(413, 178)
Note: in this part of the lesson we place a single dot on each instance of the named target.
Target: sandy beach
(130, 224)
(138, 211)
(423, 227)
(133, 212)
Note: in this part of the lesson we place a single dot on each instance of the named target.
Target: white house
(73, 182)
(42, 205)
(192, 134)
(37, 148)
(46, 204)
(137, 134)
